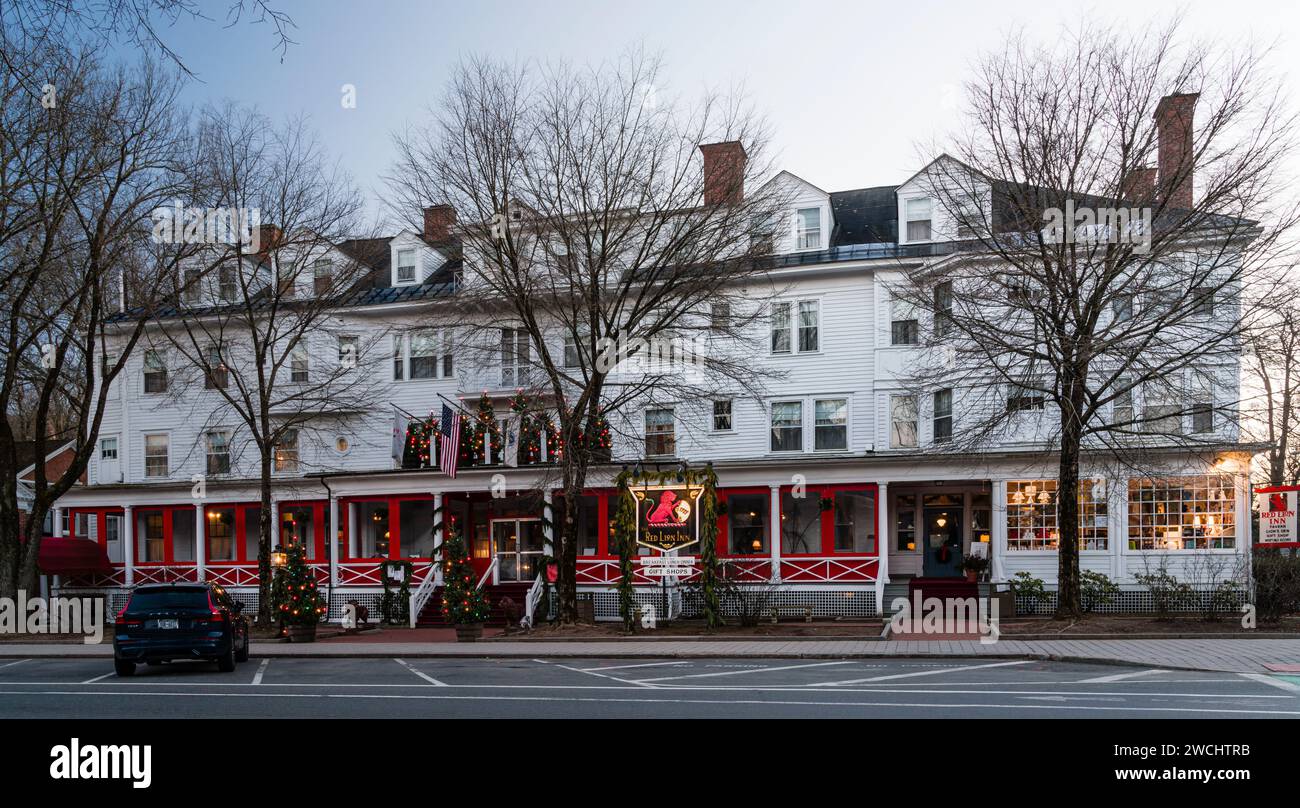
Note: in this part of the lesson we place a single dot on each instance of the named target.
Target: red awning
(70, 556)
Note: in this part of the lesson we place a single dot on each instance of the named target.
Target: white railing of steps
(420, 597)
(530, 601)
(487, 573)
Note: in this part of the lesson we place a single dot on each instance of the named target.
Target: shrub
(1095, 589)
(1031, 589)
(1277, 584)
(1167, 592)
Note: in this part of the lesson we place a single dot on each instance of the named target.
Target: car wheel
(226, 662)
(242, 654)
(124, 668)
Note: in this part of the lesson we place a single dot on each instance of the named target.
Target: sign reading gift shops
(667, 516)
(1278, 525)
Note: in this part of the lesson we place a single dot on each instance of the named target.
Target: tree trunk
(265, 529)
(10, 549)
(1067, 502)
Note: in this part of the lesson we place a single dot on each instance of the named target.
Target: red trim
(1273, 490)
(724, 524)
(827, 518)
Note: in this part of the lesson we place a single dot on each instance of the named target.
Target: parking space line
(1271, 680)
(97, 678)
(921, 673)
(1119, 677)
(15, 662)
(590, 672)
(751, 670)
(261, 671)
(426, 677)
(641, 665)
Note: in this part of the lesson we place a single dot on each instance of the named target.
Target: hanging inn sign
(1278, 520)
(667, 516)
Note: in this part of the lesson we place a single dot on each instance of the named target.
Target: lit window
(286, 451)
(215, 374)
(748, 527)
(1032, 518)
(1182, 513)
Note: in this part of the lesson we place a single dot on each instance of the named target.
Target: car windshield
(194, 598)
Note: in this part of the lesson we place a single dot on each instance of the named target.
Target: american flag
(450, 442)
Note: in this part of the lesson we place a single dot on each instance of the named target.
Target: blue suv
(162, 622)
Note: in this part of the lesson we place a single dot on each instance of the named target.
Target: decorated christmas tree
(486, 433)
(462, 602)
(297, 600)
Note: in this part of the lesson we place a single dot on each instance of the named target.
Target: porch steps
(942, 588)
(431, 615)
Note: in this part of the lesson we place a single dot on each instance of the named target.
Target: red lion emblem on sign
(1277, 502)
(669, 511)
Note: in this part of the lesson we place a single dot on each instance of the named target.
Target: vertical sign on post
(1277, 516)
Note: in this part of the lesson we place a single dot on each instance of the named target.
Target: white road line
(426, 677)
(15, 662)
(749, 670)
(642, 665)
(920, 673)
(97, 678)
(631, 700)
(1119, 677)
(1272, 680)
(603, 676)
(261, 671)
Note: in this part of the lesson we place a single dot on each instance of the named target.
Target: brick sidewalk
(1244, 656)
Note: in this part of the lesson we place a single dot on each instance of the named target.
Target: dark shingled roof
(865, 216)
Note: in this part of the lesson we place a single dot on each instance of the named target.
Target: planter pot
(468, 632)
(972, 576)
(301, 633)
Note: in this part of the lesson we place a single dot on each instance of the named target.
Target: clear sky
(854, 89)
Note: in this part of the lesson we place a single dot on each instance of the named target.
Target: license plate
(167, 623)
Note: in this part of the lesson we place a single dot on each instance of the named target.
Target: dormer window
(809, 224)
(918, 219)
(406, 266)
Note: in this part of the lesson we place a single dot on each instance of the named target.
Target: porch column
(128, 542)
(335, 530)
(774, 515)
(882, 544)
(1117, 525)
(275, 524)
(548, 528)
(998, 549)
(56, 515)
(1241, 530)
(437, 537)
(200, 540)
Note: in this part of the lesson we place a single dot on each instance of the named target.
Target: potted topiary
(297, 599)
(463, 605)
(974, 566)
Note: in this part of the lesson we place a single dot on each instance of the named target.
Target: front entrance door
(517, 544)
(942, 542)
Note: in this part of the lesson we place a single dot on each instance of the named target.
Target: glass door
(517, 544)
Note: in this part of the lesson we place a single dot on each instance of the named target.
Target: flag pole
(457, 406)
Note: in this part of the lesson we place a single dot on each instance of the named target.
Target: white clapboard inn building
(838, 483)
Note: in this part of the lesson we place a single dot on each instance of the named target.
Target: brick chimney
(438, 222)
(1174, 127)
(268, 238)
(1139, 186)
(724, 172)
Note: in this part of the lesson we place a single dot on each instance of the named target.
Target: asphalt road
(636, 688)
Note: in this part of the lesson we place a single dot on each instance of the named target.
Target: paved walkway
(1243, 656)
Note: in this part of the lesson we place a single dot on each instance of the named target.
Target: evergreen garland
(622, 533)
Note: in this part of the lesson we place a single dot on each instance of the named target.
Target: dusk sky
(855, 90)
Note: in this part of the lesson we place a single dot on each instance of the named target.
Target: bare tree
(1111, 198)
(632, 269)
(1272, 376)
(257, 336)
(82, 170)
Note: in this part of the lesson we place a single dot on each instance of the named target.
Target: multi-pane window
(1162, 408)
(943, 308)
(660, 432)
(918, 219)
(228, 284)
(298, 364)
(406, 266)
(904, 328)
(722, 415)
(221, 545)
(1202, 301)
(1121, 407)
(218, 452)
(399, 359)
(942, 416)
(193, 290)
(780, 328)
(424, 354)
(153, 537)
(1032, 515)
(809, 322)
(155, 455)
(787, 426)
(515, 352)
(748, 523)
(155, 372)
(1182, 513)
(1025, 397)
(720, 316)
(322, 276)
(349, 351)
(809, 235)
(571, 357)
(108, 449)
(905, 522)
(831, 424)
(215, 374)
(286, 451)
(1201, 404)
(902, 422)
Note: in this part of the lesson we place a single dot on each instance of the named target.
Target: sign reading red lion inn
(1277, 516)
(667, 516)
